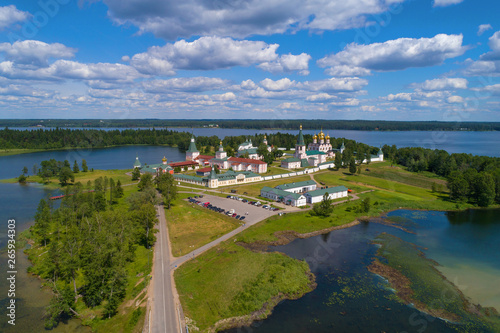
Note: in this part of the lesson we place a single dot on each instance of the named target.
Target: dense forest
(89, 241)
(365, 125)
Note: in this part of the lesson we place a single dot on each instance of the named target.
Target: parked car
(237, 217)
(201, 196)
(229, 196)
(234, 214)
(242, 218)
(265, 206)
(244, 200)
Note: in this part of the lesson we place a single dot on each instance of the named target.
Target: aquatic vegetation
(417, 281)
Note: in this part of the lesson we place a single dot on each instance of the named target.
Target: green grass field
(191, 226)
(229, 281)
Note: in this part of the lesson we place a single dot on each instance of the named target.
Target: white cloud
(494, 43)
(398, 54)
(455, 99)
(205, 53)
(491, 89)
(346, 70)
(399, 97)
(35, 53)
(229, 96)
(443, 3)
(482, 28)
(248, 85)
(288, 63)
(175, 19)
(10, 15)
(65, 69)
(188, 84)
(322, 97)
(443, 84)
(279, 85)
(336, 84)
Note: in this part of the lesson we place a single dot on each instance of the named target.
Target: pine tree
(84, 166)
(76, 169)
(136, 174)
(352, 166)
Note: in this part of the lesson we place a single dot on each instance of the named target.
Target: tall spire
(192, 146)
(300, 140)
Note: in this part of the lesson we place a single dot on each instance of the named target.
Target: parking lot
(252, 213)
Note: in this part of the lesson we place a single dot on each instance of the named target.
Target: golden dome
(321, 135)
(315, 137)
(328, 136)
(164, 159)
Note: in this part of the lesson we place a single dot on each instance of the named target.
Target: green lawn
(191, 226)
(229, 281)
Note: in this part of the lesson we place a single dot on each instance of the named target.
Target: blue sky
(271, 59)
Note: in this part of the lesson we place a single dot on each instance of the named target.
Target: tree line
(365, 125)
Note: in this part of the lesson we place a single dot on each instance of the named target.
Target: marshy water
(351, 299)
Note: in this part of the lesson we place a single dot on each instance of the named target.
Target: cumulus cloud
(347, 84)
(279, 85)
(455, 99)
(10, 15)
(65, 69)
(491, 89)
(482, 28)
(205, 53)
(443, 84)
(288, 63)
(494, 43)
(443, 3)
(398, 54)
(188, 84)
(406, 97)
(346, 70)
(322, 97)
(35, 53)
(176, 19)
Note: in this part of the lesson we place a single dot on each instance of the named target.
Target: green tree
(136, 174)
(84, 166)
(65, 175)
(146, 181)
(41, 228)
(76, 169)
(352, 166)
(21, 179)
(35, 169)
(338, 160)
(177, 169)
(484, 189)
(458, 186)
(167, 187)
(25, 170)
(323, 208)
(365, 205)
(118, 189)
